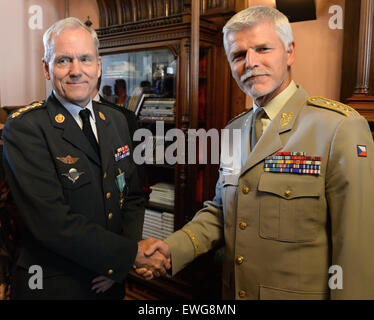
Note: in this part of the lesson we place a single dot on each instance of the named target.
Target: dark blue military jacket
(69, 197)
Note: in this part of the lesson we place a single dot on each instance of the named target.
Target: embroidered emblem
(293, 162)
(122, 152)
(68, 159)
(73, 174)
(60, 118)
(361, 151)
(286, 118)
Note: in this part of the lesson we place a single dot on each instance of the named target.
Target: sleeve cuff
(182, 250)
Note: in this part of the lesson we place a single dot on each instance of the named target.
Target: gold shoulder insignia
(20, 111)
(239, 115)
(333, 105)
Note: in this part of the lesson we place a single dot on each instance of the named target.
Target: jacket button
(110, 216)
(245, 190)
(243, 225)
(108, 195)
(110, 271)
(239, 259)
(287, 193)
(242, 293)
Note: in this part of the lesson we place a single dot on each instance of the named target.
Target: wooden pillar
(67, 8)
(364, 49)
(194, 63)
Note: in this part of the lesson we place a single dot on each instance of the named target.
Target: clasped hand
(153, 258)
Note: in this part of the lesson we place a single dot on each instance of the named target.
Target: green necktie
(256, 126)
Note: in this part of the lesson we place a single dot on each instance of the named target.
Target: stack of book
(162, 193)
(162, 109)
(157, 225)
(135, 99)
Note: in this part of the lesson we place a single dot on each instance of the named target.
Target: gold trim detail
(102, 116)
(194, 240)
(333, 105)
(23, 109)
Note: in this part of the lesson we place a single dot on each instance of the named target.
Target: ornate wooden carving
(115, 12)
(119, 12)
(213, 6)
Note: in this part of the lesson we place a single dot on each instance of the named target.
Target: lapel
(71, 131)
(270, 142)
(246, 129)
(111, 136)
(105, 137)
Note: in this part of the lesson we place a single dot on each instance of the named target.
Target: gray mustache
(253, 73)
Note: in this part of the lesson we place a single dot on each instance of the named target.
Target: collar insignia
(60, 118)
(286, 118)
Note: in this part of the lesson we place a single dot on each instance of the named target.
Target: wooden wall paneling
(126, 11)
(350, 48)
(141, 10)
(102, 15)
(119, 12)
(134, 8)
(111, 11)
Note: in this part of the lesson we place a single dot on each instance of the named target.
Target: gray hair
(251, 16)
(61, 25)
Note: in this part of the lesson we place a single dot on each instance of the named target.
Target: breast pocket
(289, 206)
(77, 187)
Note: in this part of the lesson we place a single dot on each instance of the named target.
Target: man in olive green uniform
(297, 201)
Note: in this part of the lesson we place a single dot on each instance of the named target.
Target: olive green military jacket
(283, 231)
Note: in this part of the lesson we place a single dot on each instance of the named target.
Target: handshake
(153, 258)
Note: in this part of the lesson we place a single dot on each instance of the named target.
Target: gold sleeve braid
(194, 240)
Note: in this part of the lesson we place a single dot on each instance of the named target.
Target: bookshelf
(151, 50)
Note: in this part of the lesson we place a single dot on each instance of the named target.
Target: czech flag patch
(361, 151)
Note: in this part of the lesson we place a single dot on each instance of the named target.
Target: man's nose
(75, 70)
(251, 59)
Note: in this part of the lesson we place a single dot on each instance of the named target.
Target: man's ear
(99, 65)
(291, 54)
(47, 74)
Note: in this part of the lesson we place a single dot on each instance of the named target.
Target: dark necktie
(87, 129)
(256, 127)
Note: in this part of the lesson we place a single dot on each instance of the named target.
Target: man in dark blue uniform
(69, 166)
